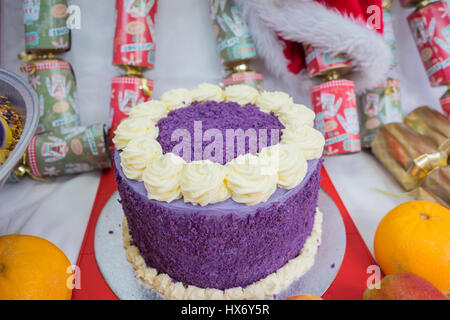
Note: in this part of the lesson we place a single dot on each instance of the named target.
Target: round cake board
(120, 276)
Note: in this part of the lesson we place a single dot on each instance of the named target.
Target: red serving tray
(349, 283)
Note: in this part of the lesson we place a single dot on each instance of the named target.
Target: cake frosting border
(278, 102)
(264, 289)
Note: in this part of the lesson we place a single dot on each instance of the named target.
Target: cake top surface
(216, 124)
(208, 145)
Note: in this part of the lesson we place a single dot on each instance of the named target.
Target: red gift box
(337, 116)
(319, 63)
(429, 26)
(126, 92)
(134, 40)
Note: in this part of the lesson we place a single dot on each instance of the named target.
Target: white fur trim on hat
(306, 21)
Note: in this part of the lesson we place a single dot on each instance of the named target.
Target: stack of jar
(430, 25)
(134, 53)
(61, 145)
(334, 101)
(235, 44)
(382, 104)
(53, 79)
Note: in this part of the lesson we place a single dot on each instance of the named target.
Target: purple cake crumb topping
(220, 116)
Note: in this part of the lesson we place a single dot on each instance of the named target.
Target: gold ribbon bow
(428, 162)
(23, 168)
(395, 143)
(30, 57)
(136, 71)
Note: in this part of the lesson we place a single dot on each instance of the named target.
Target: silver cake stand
(120, 276)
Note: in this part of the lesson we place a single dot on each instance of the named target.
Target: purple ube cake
(226, 244)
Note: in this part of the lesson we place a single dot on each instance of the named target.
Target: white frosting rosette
(177, 98)
(134, 127)
(207, 92)
(273, 101)
(296, 115)
(153, 110)
(137, 155)
(196, 293)
(176, 291)
(241, 93)
(309, 140)
(162, 281)
(290, 163)
(248, 179)
(162, 178)
(204, 183)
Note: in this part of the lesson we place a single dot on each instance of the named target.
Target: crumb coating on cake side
(221, 250)
(265, 289)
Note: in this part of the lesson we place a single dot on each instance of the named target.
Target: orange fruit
(32, 268)
(415, 237)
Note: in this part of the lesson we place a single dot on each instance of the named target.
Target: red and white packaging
(430, 26)
(134, 40)
(445, 104)
(337, 116)
(319, 63)
(126, 92)
(251, 78)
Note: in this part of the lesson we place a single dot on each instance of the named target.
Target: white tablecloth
(186, 56)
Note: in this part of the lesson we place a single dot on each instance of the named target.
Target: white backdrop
(186, 56)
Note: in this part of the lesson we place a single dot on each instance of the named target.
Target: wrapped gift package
(416, 153)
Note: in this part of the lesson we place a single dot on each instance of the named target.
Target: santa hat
(280, 27)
